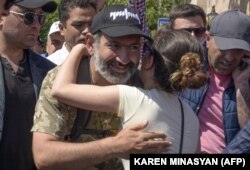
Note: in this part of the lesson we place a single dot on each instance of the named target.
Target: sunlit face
(190, 22)
(54, 42)
(16, 31)
(77, 26)
(116, 59)
(223, 62)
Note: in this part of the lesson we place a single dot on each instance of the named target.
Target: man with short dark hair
(75, 18)
(21, 75)
(189, 17)
(117, 32)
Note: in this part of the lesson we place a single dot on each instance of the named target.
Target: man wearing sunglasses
(189, 17)
(221, 102)
(21, 75)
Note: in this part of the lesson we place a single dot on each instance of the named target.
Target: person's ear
(208, 38)
(89, 39)
(2, 18)
(148, 62)
(61, 27)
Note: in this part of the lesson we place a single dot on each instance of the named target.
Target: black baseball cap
(46, 5)
(231, 30)
(117, 21)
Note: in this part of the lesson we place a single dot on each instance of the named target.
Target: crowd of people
(106, 88)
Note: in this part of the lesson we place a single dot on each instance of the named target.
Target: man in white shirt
(74, 25)
(55, 39)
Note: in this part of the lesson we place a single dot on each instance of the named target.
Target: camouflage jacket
(58, 119)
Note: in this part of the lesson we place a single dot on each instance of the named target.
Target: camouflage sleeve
(51, 116)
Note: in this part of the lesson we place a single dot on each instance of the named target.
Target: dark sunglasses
(198, 32)
(29, 17)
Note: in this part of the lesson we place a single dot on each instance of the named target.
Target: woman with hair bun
(172, 64)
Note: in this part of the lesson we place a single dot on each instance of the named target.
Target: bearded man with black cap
(21, 75)
(65, 137)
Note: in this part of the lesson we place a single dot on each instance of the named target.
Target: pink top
(212, 136)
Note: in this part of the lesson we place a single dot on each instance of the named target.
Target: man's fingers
(146, 135)
(154, 151)
(160, 144)
(155, 136)
(154, 146)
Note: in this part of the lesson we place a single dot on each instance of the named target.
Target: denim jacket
(39, 67)
(241, 142)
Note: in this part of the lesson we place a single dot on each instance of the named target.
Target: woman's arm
(90, 97)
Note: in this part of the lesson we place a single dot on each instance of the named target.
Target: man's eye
(134, 47)
(88, 24)
(77, 25)
(113, 45)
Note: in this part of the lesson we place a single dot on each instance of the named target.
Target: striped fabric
(140, 6)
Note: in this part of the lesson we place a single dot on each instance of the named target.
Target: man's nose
(123, 55)
(86, 29)
(230, 55)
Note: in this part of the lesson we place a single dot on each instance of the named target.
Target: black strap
(82, 117)
(80, 123)
(182, 127)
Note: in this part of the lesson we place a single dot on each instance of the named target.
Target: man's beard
(112, 77)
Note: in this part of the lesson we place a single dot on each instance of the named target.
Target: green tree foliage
(155, 10)
(50, 18)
